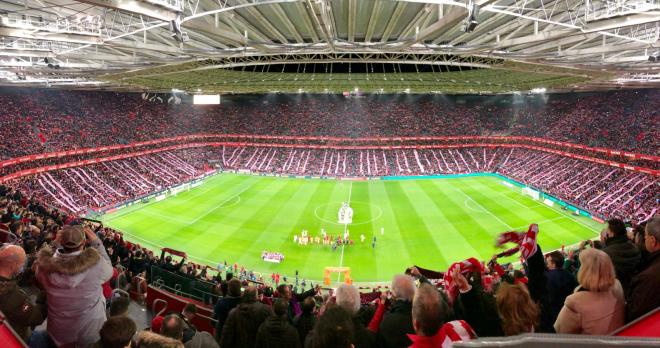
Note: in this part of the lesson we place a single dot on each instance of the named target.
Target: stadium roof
(244, 46)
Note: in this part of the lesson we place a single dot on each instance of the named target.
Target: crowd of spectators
(73, 265)
(603, 190)
(34, 121)
(103, 185)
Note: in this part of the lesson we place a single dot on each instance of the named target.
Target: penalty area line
(485, 210)
(220, 205)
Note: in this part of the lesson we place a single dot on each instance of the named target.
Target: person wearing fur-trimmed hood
(72, 276)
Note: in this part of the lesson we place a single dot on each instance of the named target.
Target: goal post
(345, 270)
(526, 191)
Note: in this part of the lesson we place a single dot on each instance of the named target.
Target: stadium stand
(603, 190)
(36, 121)
(35, 209)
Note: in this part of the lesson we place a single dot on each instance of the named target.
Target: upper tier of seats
(35, 121)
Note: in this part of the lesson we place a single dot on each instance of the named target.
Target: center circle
(357, 208)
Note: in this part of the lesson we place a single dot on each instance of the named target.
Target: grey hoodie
(73, 283)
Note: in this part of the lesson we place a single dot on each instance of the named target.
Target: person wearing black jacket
(560, 284)
(644, 286)
(168, 265)
(397, 322)
(348, 297)
(225, 305)
(14, 303)
(137, 263)
(624, 254)
(276, 332)
(240, 329)
(304, 322)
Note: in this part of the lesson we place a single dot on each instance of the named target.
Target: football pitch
(426, 222)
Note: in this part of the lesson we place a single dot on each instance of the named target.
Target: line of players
(327, 239)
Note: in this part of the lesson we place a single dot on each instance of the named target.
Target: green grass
(428, 222)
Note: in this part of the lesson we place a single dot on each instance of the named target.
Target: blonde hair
(596, 270)
(519, 314)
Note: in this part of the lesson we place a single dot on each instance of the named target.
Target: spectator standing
(348, 297)
(225, 305)
(625, 256)
(117, 332)
(72, 277)
(560, 284)
(429, 313)
(518, 313)
(240, 329)
(644, 286)
(294, 299)
(306, 320)
(174, 327)
(597, 306)
(397, 322)
(334, 329)
(14, 303)
(276, 332)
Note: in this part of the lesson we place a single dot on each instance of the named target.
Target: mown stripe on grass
(416, 236)
(452, 241)
(360, 255)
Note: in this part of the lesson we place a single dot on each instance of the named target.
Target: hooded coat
(73, 283)
(18, 309)
(277, 332)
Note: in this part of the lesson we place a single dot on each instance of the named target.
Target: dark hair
(119, 306)
(234, 288)
(281, 288)
(617, 227)
(280, 306)
(173, 327)
(308, 305)
(250, 295)
(190, 308)
(334, 329)
(557, 259)
(117, 332)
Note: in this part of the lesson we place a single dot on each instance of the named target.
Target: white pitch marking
(341, 260)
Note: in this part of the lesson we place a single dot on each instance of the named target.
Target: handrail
(139, 281)
(153, 307)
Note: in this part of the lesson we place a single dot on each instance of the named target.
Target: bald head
(403, 287)
(12, 257)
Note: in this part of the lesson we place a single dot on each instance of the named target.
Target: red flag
(41, 137)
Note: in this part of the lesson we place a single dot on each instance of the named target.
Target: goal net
(175, 190)
(532, 193)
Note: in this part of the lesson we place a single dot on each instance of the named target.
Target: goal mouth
(328, 271)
